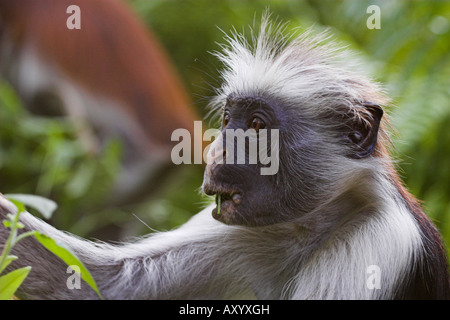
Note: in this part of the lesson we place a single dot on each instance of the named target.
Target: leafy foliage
(11, 281)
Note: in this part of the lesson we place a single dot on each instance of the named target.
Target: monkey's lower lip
(227, 204)
(225, 209)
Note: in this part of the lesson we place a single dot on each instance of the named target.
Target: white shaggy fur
(299, 70)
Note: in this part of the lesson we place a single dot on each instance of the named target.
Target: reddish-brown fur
(426, 280)
(112, 55)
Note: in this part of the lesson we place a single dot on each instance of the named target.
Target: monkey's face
(296, 166)
(255, 170)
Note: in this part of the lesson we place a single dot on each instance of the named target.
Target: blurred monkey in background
(110, 76)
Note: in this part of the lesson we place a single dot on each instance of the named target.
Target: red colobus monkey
(111, 76)
(333, 214)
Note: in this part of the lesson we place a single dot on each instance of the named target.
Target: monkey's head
(315, 125)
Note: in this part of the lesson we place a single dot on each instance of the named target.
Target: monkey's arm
(190, 262)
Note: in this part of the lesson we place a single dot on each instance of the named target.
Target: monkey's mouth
(223, 198)
(227, 202)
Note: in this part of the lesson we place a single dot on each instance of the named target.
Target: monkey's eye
(226, 119)
(257, 124)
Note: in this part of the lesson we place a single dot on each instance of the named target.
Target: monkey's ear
(364, 134)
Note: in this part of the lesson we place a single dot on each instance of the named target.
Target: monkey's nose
(208, 190)
(216, 153)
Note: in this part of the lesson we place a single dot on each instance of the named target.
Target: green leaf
(10, 282)
(68, 257)
(45, 206)
(19, 205)
(7, 223)
(8, 260)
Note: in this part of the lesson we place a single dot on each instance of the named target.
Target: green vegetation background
(410, 55)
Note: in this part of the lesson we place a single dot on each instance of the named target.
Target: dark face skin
(251, 199)
(246, 196)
